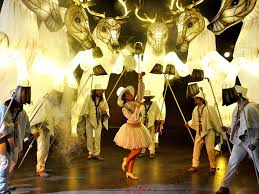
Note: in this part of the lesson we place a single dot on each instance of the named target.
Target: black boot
(223, 190)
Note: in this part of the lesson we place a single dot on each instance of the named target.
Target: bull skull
(48, 11)
(231, 13)
(108, 28)
(190, 23)
(157, 33)
(77, 24)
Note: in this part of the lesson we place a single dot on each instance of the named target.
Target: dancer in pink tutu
(132, 135)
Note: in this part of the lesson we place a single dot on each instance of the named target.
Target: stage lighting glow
(227, 54)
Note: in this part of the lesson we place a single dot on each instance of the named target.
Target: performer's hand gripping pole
(30, 146)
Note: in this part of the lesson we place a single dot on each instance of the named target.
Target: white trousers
(237, 155)
(43, 143)
(4, 173)
(208, 140)
(151, 148)
(93, 136)
(13, 160)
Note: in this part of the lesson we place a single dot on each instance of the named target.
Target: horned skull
(231, 13)
(189, 24)
(108, 28)
(48, 11)
(157, 35)
(77, 24)
(108, 31)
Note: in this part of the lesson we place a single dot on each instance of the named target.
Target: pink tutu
(130, 137)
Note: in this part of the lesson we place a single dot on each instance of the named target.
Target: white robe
(209, 121)
(90, 109)
(154, 113)
(249, 121)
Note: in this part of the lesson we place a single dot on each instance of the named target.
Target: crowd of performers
(144, 120)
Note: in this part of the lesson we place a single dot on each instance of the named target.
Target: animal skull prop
(48, 11)
(157, 32)
(231, 13)
(108, 28)
(190, 23)
(77, 24)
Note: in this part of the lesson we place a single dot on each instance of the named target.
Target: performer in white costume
(244, 134)
(153, 119)
(11, 134)
(204, 121)
(96, 113)
(132, 135)
(44, 124)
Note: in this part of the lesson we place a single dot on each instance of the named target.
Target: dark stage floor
(164, 174)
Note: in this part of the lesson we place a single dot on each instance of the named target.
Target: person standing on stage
(44, 124)
(205, 122)
(96, 114)
(132, 135)
(153, 120)
(244, 134)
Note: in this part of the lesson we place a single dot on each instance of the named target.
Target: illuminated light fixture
(229, 96)
(157, 69)
(197, 75)
(120, 89)
(138, 48)
(170, 69)
(227, 54)
(192, 90)
(99, 70)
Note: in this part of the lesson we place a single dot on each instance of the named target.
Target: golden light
(172, 58)
(209, 73)
(120, 89)
(227, 54)
(221, 169)
(140, 64)
(72, 83)
(172, 5)
(85, 59)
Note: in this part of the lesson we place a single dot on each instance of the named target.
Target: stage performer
(132, 135)
(152, 119)
(11, 131)
(45, 124)
(96, 114)
(205, 121)
(244, 134)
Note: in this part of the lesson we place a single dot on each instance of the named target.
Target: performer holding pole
(205, 121)
(13, 123)
(132, 135)
(50, 115)
(244, 134)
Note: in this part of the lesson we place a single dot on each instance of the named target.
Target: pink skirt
(133, 137)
